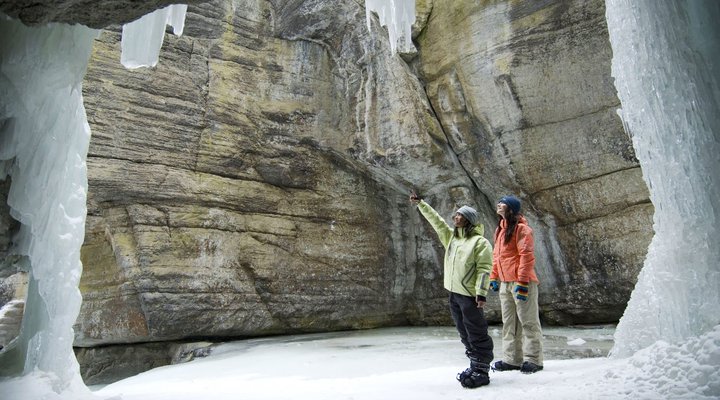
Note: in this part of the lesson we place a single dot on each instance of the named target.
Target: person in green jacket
(468, 263)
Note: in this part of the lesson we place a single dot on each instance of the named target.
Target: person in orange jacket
(513, 276)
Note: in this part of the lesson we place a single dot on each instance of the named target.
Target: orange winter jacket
(514, 261)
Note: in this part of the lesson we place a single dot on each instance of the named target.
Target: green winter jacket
(468, 260)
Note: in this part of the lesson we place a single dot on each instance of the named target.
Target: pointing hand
(414, 198)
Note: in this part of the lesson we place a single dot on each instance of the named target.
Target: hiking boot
(475, 376)
(503, 366)
(461, 376)
(475, 379)
(530, 368)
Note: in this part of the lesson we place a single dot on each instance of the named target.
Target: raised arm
(443, 230)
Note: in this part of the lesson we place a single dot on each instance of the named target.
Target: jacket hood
(479, 229)
(476, 230)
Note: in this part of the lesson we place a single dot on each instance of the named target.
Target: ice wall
(666, 65)
(398, 16)
(44, 136)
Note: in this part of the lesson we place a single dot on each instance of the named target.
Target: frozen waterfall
(44, 138)
(666, 64)
(43, 145)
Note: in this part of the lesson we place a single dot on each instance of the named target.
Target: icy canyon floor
(396, 363)
(421, 364)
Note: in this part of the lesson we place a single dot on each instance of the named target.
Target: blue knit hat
(511, 202)
(469, 213)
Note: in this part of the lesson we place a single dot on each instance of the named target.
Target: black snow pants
(472, 327)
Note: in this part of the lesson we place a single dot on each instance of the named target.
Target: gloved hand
(521, 290)
(494, 285)
(480, 301)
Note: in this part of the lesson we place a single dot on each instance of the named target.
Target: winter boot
(461, 376)
(475, 376)
(530, 368)
(503, 366)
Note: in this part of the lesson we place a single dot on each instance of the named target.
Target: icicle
(398, 16)
(143, 38)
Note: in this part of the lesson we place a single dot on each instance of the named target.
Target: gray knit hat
(469, 213)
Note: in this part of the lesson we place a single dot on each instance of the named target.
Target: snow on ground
(398, 363)
(408, 363)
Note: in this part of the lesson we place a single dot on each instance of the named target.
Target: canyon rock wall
(524, 93)
(255, 181)
(237, 190)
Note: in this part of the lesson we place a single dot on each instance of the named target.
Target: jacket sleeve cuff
(481, 291)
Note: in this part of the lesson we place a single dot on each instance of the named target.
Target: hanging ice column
(143, 38)
(666, 64)
(43, 144)
(398, 16)
(44, 138)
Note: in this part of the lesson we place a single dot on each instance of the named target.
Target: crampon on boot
(475, 376)
(461, 376)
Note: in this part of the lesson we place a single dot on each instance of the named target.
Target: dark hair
(512, 221)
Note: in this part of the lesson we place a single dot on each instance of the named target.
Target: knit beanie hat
(469, 213)
(511, 202)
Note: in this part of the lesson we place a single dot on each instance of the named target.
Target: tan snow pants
(521, 332)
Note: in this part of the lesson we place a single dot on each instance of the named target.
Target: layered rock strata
(524, 93)
(255, 182)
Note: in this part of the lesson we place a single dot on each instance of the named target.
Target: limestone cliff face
(524, 93)
(255, 182)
